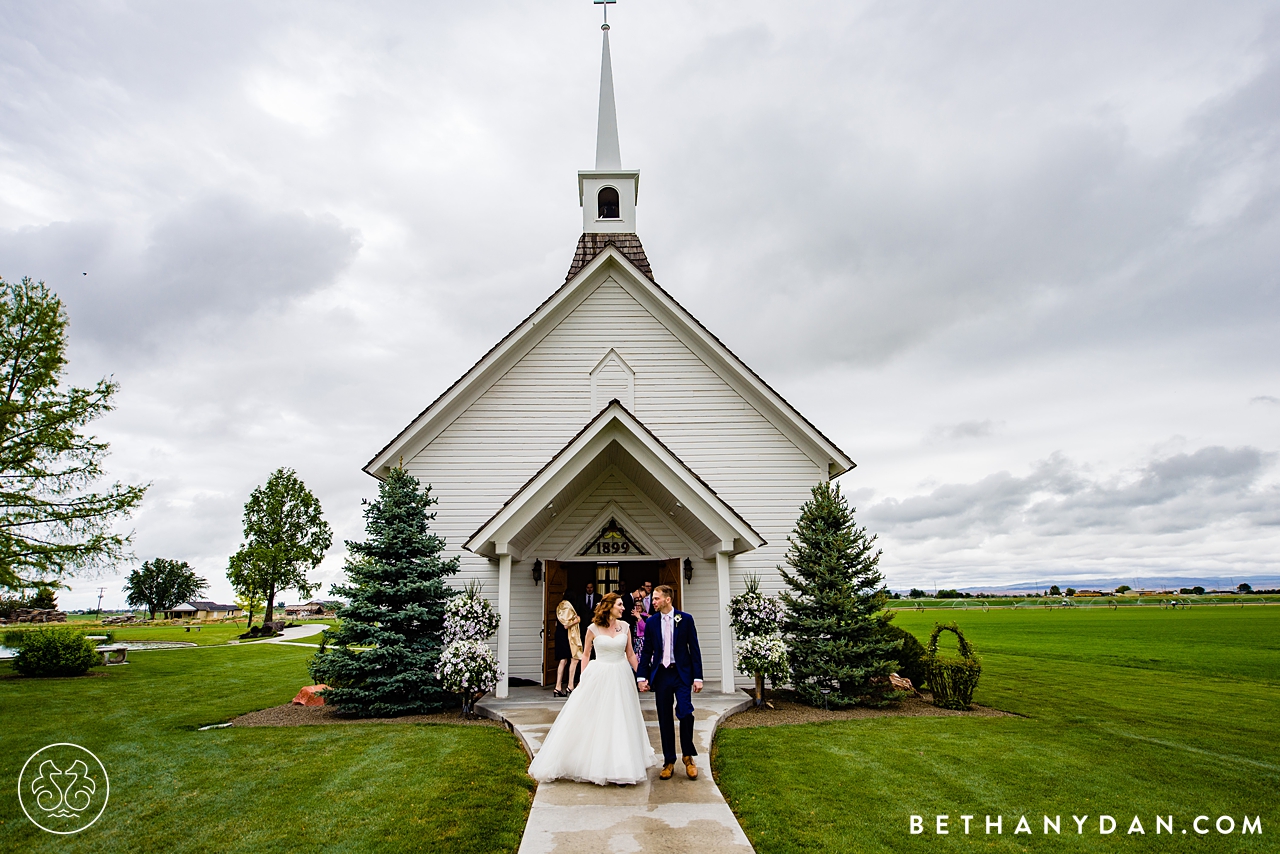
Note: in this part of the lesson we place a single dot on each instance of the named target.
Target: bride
(600, 735)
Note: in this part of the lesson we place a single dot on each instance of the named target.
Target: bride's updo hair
(601, 616)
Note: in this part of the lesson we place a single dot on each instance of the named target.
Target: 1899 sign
(614, 548)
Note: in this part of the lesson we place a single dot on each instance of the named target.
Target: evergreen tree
(831, 609)
(397, 595)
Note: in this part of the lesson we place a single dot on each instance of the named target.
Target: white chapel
(611, 437)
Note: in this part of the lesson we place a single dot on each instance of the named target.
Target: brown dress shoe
(665, 773)
(690, 768)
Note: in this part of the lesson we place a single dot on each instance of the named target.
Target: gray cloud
(300, 229)
(963, 430)
(1265, 398)
(1213, 486)
(218, 257)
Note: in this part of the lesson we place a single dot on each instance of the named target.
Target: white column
(726, 630)
(504, 626)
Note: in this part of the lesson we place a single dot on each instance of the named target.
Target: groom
(671, 664)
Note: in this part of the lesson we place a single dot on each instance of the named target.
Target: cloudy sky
(1019, 260)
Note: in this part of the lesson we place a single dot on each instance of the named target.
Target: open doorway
(568, 580)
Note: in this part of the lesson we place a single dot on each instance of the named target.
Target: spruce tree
(831, 609)
(397, 595)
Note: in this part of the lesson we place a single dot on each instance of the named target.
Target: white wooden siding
(507, 434)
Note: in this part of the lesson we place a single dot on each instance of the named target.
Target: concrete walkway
(305, 630)
(658, 815)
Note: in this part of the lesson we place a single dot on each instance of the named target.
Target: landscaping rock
(902, 683)
(39, 615)
(310, 696)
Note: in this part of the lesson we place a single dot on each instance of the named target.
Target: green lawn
(349, 787)
(1128, 712)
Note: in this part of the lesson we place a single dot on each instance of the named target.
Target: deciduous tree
(52, 522)
(286, 537)
(162, 583)
(250, 603)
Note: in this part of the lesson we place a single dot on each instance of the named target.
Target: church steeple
(608, 193)
(607, 154)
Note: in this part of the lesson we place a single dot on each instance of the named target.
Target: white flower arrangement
(757, 629)
(753, 613)
(469, 668)
(469, 617)
(764, 654)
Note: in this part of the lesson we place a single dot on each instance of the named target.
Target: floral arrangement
(469, 668)
(467, 664)
(469, 617)
(757, 628)
(763, 654)
(753, 613)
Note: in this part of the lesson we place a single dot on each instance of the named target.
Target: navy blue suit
(672, 685)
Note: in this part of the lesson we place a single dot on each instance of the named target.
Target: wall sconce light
(688, 570)
(537, 571)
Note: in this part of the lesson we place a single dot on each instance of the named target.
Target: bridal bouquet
(469, 668)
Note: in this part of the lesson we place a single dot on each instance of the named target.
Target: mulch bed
(787, 709)
(291, 715)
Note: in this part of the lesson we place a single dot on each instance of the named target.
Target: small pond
(9, 652)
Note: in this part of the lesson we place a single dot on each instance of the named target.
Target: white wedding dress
(600, 735)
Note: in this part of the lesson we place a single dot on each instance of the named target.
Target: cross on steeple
(604, 5)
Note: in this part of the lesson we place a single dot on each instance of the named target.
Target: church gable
(543, 372)
(610, 346)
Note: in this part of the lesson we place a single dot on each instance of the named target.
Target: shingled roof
(590, 245)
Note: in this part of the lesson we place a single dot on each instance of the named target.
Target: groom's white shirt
(668, 639)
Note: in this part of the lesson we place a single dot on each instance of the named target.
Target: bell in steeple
(608, 193)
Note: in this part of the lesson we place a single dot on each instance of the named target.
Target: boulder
(39, 615)
(901, 683)
(310, 696)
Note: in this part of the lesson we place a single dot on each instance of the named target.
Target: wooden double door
(568, 580)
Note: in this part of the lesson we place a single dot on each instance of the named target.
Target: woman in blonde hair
(568, 645)
(600, 735)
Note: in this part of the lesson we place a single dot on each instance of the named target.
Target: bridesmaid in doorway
(568, 645)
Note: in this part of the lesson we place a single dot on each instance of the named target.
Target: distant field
(1221, 600)
(1137, 711)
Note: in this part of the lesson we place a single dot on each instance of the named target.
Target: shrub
(56, 652)
(910, 654)
(15, 638)
(952, 680)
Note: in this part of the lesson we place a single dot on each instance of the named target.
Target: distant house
(311, 609)
(202, 610)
